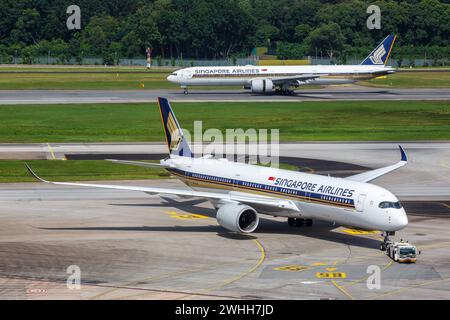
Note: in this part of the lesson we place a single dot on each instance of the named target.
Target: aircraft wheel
(291, 222)
(382, 246)
(299, 222)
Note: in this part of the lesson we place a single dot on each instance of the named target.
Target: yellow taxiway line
(51, 151)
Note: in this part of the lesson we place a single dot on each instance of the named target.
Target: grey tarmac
(135, 246)
(331, 93)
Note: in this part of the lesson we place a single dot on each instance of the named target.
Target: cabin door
(360, 203)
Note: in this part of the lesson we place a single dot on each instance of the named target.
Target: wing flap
(304, 77)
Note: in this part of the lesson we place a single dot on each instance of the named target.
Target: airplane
(280, 79)
(240, 192)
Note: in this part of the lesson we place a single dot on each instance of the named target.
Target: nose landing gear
(386, 241)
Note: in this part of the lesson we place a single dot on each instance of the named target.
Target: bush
(286, 50)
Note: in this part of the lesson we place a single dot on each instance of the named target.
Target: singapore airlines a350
(241, 192)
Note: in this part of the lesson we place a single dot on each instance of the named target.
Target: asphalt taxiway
(330, 93)
(134, 246)
(129, 245)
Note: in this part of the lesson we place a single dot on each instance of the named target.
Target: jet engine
(238, 218)
(262, 86)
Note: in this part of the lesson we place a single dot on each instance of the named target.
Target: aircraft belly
(326, 213)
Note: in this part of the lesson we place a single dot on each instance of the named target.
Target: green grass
(81, 170)
(297, 121)
(412, 79)
(87, 80)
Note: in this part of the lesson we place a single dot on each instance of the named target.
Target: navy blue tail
(380, 55)
(176, 141)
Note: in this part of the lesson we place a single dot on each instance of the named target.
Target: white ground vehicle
(402, 251)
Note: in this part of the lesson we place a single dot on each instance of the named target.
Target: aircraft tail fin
(176, 141)
(380, 55)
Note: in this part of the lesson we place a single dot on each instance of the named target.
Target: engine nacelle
(238, 218)
(262, 86)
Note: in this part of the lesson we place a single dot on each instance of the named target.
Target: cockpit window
(388, 204)
(174, 74)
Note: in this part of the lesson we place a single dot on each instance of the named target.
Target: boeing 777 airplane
(241, 192)
(281, 79)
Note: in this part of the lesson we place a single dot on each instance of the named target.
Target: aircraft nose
(401, 219)
(171, 78)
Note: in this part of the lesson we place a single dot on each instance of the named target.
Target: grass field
(412, 79)
(297, 121)
(86, 80)
(81, 170)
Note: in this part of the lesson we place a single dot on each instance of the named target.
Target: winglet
(403, 153)
(35, 175)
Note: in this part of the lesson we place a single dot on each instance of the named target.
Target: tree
(328, 38)
(286, 50)
(264, 34)
(26, 29)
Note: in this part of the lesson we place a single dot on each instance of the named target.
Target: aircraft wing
(373, 174)
(231, 196)
(138, 163)
(303, 77)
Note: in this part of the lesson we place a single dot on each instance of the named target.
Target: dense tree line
(220, 28)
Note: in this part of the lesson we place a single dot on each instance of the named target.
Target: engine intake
(262, 86)
(238, 218)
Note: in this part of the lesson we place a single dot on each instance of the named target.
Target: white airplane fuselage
(338, 200)
(244, 75)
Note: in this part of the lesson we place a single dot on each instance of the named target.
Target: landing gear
(298, 222)
(284, 91)
(386, 241)
(185, 91)
(291, 222)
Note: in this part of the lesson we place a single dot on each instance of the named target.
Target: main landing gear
(285, 92)
(185, 91)
(386, 240)
(298, 222)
